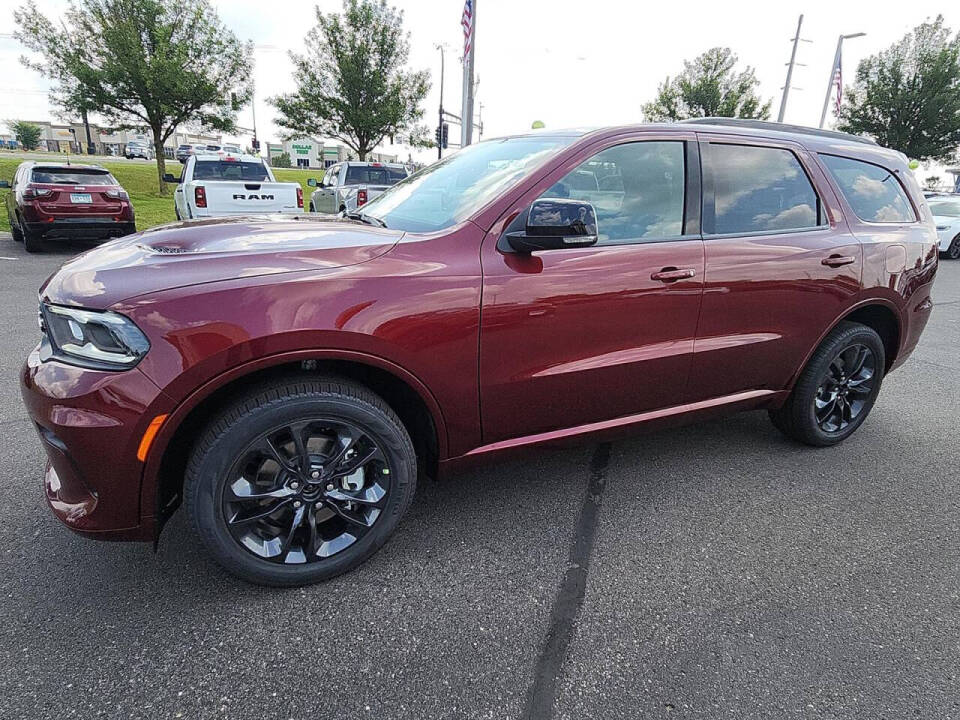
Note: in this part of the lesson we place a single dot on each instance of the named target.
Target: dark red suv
(291, 379)
(54, 201)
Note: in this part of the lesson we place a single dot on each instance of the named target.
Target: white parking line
(8, 258)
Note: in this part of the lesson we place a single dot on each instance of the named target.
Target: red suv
(51, 201)
(290, 379)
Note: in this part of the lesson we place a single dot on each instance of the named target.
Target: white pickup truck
(225, 185)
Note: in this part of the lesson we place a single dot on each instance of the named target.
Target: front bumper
(90, 424)
(82, 228)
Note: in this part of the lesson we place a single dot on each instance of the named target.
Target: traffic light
(255, 144)
(437, 135)
(445, 135)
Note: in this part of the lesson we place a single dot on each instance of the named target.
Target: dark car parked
(52, 201)
(291, 379)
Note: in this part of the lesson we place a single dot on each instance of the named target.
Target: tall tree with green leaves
(907, 97)
(709, 86)
(142, 64)
(352, 81)
(27, 134)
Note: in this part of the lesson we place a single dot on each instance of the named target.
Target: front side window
(873, 192)
(452, 189)
(759, 189)
(636, 189)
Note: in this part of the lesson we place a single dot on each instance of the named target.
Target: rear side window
(71, 176)
(229, 170)
(874, 193)
(759, 189)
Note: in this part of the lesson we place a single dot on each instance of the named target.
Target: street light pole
(833, 74)
(440, 116)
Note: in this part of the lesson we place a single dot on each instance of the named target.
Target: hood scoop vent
(165, 249)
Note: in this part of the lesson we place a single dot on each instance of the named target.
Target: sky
(566, 63)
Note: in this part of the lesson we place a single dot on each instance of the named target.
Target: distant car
(232, 149)
(66, 201)
(138, 149)
(349, 185)
(212, 148)
(946, 215)
(186, 150)
(214, 185)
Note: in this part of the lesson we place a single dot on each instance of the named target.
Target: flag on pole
(839, 81)
(467, 22)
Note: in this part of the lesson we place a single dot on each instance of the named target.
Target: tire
(16, 232)
(832, 396)
(952, 252)
(251, 443)
(32, 242)
(312, 208)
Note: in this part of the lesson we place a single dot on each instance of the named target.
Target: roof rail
(779, 127)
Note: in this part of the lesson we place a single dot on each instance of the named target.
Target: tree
(353, 84)
(932, 181)
(27, 134)
(907, 97)
(708, 87)
(153, 64)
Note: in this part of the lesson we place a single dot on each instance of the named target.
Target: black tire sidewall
(807, 387)
(953, 252)
(207, 477)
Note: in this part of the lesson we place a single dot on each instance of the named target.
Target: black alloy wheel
(306, 491)
(845, 388)
(300, 479)
(836, 389)
(953, 252)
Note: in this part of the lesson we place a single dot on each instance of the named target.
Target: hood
(946, 219)
(197, 252)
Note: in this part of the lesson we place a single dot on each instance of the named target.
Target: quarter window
(874, 193)
(637, 190)
(760, 189)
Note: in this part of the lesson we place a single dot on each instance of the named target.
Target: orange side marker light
(151, 432)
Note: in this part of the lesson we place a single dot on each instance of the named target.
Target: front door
(781, 265)
(580, 335)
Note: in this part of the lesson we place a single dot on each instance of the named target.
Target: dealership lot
(725, 573)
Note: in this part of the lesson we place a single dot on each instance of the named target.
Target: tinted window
(228, 170)
(948, 208)
(759, 189)
(369, 175)
(874, 194)
(636, 189)
(71, 176)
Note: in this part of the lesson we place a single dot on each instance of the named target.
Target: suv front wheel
(300, 481)
(837, 389)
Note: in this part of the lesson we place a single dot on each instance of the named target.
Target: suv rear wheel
(837, 388)
(31, 241)
(300, 481)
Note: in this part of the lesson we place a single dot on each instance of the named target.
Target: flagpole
(833, 74)
(466, 113)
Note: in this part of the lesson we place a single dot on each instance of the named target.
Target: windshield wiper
(367, 219)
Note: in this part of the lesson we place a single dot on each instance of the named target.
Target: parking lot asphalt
(715, 571)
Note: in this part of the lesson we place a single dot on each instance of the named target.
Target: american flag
(467, 22)
(838, 78)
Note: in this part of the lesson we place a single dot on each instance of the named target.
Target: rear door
(579, 335)
(781, 264)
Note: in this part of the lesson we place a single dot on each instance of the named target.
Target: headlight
(94, 339)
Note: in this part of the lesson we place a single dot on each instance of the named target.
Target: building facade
(313, 154)
(72, 138)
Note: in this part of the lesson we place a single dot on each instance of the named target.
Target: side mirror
(312, 182)
(169, 178)
(4, 185)
(556, 223)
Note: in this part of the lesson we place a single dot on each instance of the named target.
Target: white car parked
(946, 215)
(215, 185)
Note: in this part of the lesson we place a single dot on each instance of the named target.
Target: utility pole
(793, 61)
(466, 114)
(833, 74)
(440, 115)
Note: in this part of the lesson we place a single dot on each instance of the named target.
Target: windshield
(950, 208)
(452, 189)
(71, 176)
(229, 170)
(373, 175)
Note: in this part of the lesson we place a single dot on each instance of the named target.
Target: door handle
(672, 274)
(838, 261)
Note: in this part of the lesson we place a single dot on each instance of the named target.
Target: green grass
(140, 181)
